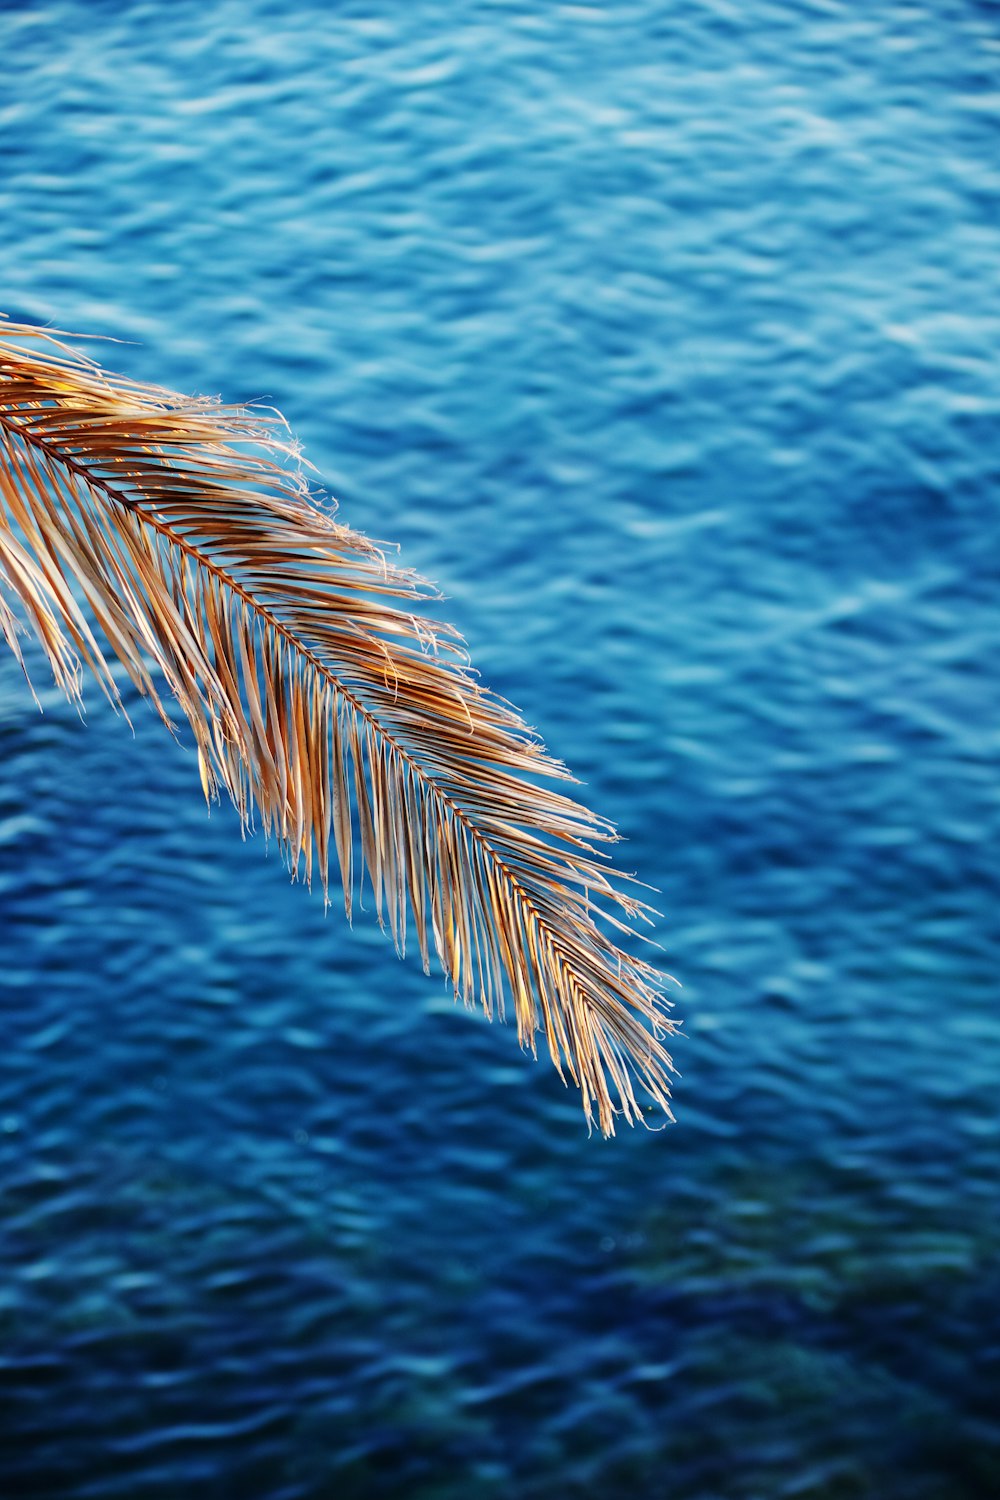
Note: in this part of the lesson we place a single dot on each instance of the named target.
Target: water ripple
(664, 338)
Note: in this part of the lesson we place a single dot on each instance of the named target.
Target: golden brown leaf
(317, 697)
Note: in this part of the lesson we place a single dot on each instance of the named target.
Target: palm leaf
(174, 535)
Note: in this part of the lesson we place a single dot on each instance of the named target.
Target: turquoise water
(664, 338)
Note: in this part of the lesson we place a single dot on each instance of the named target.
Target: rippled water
(664, 337)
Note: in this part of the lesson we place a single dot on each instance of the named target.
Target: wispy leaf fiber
(175, 535)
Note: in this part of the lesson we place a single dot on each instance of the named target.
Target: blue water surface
(664, 337)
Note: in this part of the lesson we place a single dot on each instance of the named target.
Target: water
(664, 338)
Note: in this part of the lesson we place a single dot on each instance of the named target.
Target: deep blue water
(665, 338)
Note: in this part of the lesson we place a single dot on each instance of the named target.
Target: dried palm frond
(316, 696)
